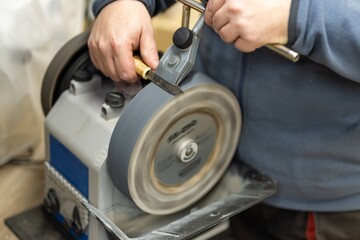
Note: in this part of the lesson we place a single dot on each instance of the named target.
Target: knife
(147, 73)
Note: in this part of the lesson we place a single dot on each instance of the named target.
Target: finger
(106, 60)
(92, 55)
(148, 50)
(101, 57)
(94, 52)
(220, 19)
(244, 45)
(124, 64)
(211, 8)
(228, 34)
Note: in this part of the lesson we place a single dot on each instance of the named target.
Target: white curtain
(31, 32)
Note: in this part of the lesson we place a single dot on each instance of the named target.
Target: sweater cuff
(294, 9)
(98, 5)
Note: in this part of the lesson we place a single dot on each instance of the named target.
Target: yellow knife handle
(141, 68)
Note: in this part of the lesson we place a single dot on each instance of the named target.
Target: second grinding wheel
(166, 152)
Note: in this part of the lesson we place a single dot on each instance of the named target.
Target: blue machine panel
(66, 163)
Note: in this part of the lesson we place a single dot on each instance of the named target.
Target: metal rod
(278, 48)
(185, 21)
(284, 51)
(193, 4)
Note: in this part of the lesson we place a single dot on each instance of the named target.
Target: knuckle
(91, 43)
(240, 24)
(208, 20)
(115, 44)
(224, 36)
(234, 9)
(128, 77)
(102, 46)
(123, 75)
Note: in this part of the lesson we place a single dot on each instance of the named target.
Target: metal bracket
(176, 63)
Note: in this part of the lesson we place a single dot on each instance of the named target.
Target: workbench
(21, 188)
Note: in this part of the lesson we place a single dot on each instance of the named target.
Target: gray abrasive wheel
(166, 152)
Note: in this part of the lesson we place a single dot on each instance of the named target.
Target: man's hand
(121, 28)
(249, 24)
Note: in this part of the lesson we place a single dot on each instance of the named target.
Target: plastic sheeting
(31, 32)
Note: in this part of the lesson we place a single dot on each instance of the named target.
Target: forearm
(328, 32)
(153, 6)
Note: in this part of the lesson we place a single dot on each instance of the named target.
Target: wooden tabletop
(21, 189)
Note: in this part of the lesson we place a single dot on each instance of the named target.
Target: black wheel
(71, 57)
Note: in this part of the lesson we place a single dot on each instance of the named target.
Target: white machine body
(77, 143)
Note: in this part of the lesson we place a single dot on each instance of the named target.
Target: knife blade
(148, 74)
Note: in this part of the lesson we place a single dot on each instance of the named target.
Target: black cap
(115, 99)
(183, 37)
(82, 76)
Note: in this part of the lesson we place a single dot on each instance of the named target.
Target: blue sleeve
(328, 32)
(153, 6)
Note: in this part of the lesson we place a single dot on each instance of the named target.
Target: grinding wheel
(166, 152)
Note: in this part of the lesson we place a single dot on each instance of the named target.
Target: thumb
(148, 50)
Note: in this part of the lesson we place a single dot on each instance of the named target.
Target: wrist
(281, 22)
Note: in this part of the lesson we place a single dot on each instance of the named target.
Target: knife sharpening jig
(153, 165)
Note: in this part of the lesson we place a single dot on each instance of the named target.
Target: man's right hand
(121, 28)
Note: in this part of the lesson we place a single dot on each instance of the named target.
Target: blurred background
(31, 32)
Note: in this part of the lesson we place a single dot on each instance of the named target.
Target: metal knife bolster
(147, 73)
(171, 88)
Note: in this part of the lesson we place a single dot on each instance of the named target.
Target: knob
(82, 76)
(115, 99)
(182, 38)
